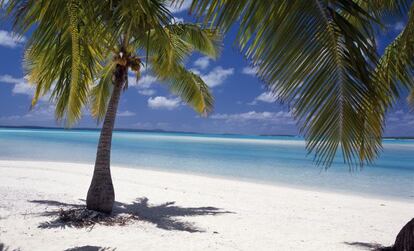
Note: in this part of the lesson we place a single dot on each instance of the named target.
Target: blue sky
(242, 104)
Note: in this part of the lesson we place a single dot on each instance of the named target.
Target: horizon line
(169, 131)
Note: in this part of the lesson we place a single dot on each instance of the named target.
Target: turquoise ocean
(279, 160)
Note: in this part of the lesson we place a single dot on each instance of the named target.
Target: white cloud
(250, 71)
(161, 102)
(217, 76)
(280, 117)
(41, 112)
(147, 92)
(202, 62)
(143, 125)
(399, 112)
(8, 39)
(144, 84)
(144, 81)
(399, 26)
(176, 20)
(195, 71)
(9, 79)
(400, 118)
(267, 97)
(21, 86)
(126, 114)
(177, 8)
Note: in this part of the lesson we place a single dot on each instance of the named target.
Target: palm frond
(61, 55)
(77, 95)
(101, 93)
(176, 46)
(205, 40)
(318, 57)
(387, 7)
(395, 69)
(411, 98)
(190, 87)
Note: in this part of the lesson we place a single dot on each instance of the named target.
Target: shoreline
(364, 195)
(225, 214)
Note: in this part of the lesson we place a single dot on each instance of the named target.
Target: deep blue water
(256, 158)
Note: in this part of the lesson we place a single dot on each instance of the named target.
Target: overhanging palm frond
(62, 56)
(318, 61)
(77, 95)
(205, 40)
(176, 46)
(395, 69)
(190, 87)
(168, 57)
(101, 92)
(382, 7)
(411, 98)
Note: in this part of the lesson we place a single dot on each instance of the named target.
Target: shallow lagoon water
(267, 159)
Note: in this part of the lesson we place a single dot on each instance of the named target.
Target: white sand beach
(207, 213)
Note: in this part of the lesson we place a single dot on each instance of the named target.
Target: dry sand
(208, 213)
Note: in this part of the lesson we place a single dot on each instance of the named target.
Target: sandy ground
(207, 213)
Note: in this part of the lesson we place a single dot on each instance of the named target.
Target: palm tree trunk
(101, 195)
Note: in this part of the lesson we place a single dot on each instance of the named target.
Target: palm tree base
(405, 238)
(101, 197)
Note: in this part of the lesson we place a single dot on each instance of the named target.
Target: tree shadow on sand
(3, 247)
(164, 216)
(369, 246)
(90, 248)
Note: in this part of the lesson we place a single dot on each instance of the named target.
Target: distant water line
(268, 159)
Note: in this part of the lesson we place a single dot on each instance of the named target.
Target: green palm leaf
(77, 95)
(190, 87)
(101, 92)
(395, 69)
(318, 58)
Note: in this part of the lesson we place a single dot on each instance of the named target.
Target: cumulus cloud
(9, 79)
(280, 117)
(41, 112)
(147, 92)
(10, 40)
(250, 71)
(161, 102)
(399, 123)
(399, 112)
(399, 118)
(177, 8)
(144, 84)
(176, 20)
(217, 76)
(267, 97)
(202, 62)
(21, 86)
(126, 114)
(399, 26)
(195, 71)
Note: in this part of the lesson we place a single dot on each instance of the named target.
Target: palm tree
(82, 52)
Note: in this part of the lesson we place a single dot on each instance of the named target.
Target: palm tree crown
(76, 45)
